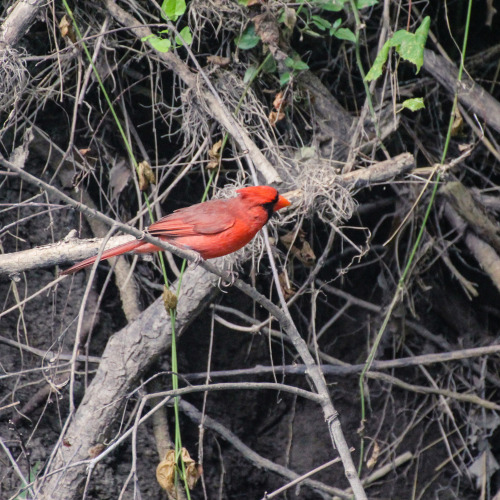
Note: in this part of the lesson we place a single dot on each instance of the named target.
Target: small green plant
(33, 474)
(250, 39)
(315, 21)
(295, 64)
(410, 46)
(171, 10)
(311, 24)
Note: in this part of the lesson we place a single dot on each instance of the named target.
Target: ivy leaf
(284, 79)
(250, 74)
(413, 104)
(297, 65)
(249, 39)
(172, 9)
(269, 65)
(159, 44)
(186, 35)
(378, 64)
(410, 46)
(412, 49)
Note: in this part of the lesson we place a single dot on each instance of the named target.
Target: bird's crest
(260, 194)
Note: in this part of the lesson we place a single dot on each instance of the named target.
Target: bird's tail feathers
(107, 254)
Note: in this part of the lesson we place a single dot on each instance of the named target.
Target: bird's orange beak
(282, 203)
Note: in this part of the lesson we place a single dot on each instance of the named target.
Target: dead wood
(473, 97)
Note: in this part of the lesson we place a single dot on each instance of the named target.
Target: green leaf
(159, 44)
(172, 9)
(362, 4)
(413, 104)
(284, 79)
(329, 5)
(33, 474)
(297, 65)
(250, 74)
(410, 46)
(307, 31)
(269, 65)
(336, 24)
(288, 18)
(186, 35)
(344, 34)
(249, 39)
(421, 38)
(378, 64)
(321, 23)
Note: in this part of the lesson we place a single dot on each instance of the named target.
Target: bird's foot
(226, 283)
(198, 259)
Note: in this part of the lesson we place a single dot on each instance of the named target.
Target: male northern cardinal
(213, 229)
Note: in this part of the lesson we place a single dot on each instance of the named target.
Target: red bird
(213, 229)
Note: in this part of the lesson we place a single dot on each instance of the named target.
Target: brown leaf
(305, 254)
(214, 155)
(288, 238)
(458, 124)
(169, 299)
(299, 247)
(146, 175)
(290, 18)
(119, 176)
(375, 453)
(66, 29)
(267, 28)
(275, 116)
(288, 289)
(89, 156)
(165, 472)
(219, 60)
(193, 470)
(279, 101)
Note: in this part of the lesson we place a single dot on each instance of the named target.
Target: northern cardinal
(213, 229)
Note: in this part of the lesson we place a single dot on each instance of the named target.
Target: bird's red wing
(212, 217)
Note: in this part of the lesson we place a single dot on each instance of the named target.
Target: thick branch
(470, 94)
(54, 254)
(17, 23)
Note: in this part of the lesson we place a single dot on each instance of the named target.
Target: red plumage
(213, 229)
